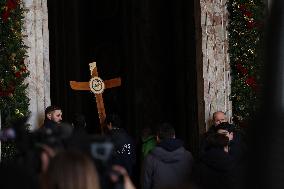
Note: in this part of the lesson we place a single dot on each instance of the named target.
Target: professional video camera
(31, 144)
(24, 165)
(26, 140)
(102, 151)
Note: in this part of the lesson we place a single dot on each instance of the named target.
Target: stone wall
(36, 29)
(216, 68)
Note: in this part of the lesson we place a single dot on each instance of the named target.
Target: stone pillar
(36, 30)
(216, 68)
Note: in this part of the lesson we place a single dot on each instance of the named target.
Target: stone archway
(212, 59)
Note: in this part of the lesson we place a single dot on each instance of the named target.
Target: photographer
(124, 150)
(38, 152)
(102, 151)
(33, 151)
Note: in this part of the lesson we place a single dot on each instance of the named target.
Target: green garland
(246, 25)
(13, 71)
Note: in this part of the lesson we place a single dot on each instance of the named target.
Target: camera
(101, 148)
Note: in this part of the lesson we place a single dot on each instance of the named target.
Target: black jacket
(49, 124)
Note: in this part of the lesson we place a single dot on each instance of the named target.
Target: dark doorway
(150, 44)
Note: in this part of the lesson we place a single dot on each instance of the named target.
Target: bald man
(237, 146)
(219, 117)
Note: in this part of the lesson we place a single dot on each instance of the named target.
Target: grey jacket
(166, 168)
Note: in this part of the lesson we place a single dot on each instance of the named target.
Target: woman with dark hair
(214, 169)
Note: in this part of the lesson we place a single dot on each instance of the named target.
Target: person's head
(72, 170)
(53, 113)
(146, 132)
(226, 129)
(78, 121)
(165, 131)
(219, 117)
(113, 121)
(50, 141)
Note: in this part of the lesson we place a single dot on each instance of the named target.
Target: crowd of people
(60, 155)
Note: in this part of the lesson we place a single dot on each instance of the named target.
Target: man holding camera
(124, 149)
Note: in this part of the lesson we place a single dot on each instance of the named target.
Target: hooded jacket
(147, 145)
(167, 166)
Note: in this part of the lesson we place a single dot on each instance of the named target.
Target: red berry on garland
(251, 24)
(242, 69)
(242, 8)
(24, 69)
(248, 14)
(5, 15)
(11, 4)
(18, 74)
(250, 81)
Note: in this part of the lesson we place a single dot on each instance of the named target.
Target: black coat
(237, 147)
(214, 170)
(124, 149)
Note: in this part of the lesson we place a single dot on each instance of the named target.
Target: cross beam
(97, 86)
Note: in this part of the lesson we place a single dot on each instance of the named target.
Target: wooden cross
(97, 86)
